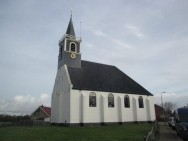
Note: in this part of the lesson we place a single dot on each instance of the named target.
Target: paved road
(167, 134)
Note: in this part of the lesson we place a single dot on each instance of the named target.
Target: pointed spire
(70, 28)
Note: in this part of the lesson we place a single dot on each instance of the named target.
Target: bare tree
(169, 107)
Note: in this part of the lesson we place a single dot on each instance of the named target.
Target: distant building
(87, 92)
(41, 113)
(159, 112)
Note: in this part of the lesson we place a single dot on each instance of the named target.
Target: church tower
(69, 48)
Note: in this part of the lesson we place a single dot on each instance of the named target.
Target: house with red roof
(41, 113)
(159, 112)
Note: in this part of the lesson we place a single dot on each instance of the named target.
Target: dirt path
(167, 134)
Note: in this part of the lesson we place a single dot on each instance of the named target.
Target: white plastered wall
(60, 106)
(80, 112)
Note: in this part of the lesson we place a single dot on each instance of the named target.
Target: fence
(153, 135)
(22, 123)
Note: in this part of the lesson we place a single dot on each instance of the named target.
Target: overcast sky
(146, 39)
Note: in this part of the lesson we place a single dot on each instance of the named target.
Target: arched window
(92, 99)
(126, 101)
(140, 102)
(110, 100)
(72, 47)
(61, 48)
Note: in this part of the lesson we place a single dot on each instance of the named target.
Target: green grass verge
(132, 132)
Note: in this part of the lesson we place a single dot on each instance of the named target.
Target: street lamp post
(162, 106)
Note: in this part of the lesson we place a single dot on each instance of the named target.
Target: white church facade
(92, 93)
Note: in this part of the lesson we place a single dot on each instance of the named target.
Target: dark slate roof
(99, 77)
(70, 28)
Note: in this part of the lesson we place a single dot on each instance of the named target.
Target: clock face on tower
(73, 55)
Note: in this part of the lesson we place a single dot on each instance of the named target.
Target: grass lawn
(132, 132)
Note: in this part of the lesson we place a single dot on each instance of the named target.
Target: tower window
(126, 101)
(92, 99)
(61, 49)
(140, 102)
(110, 100)
(72, 47)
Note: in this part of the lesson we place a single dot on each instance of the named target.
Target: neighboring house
(159, 111)
(41, 113)
(87, 92)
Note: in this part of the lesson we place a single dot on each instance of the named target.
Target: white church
(92, 93)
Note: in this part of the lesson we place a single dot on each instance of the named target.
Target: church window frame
(92, 100)
(140, 102)
(110, 100)
(73, 47)
(126, 101)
